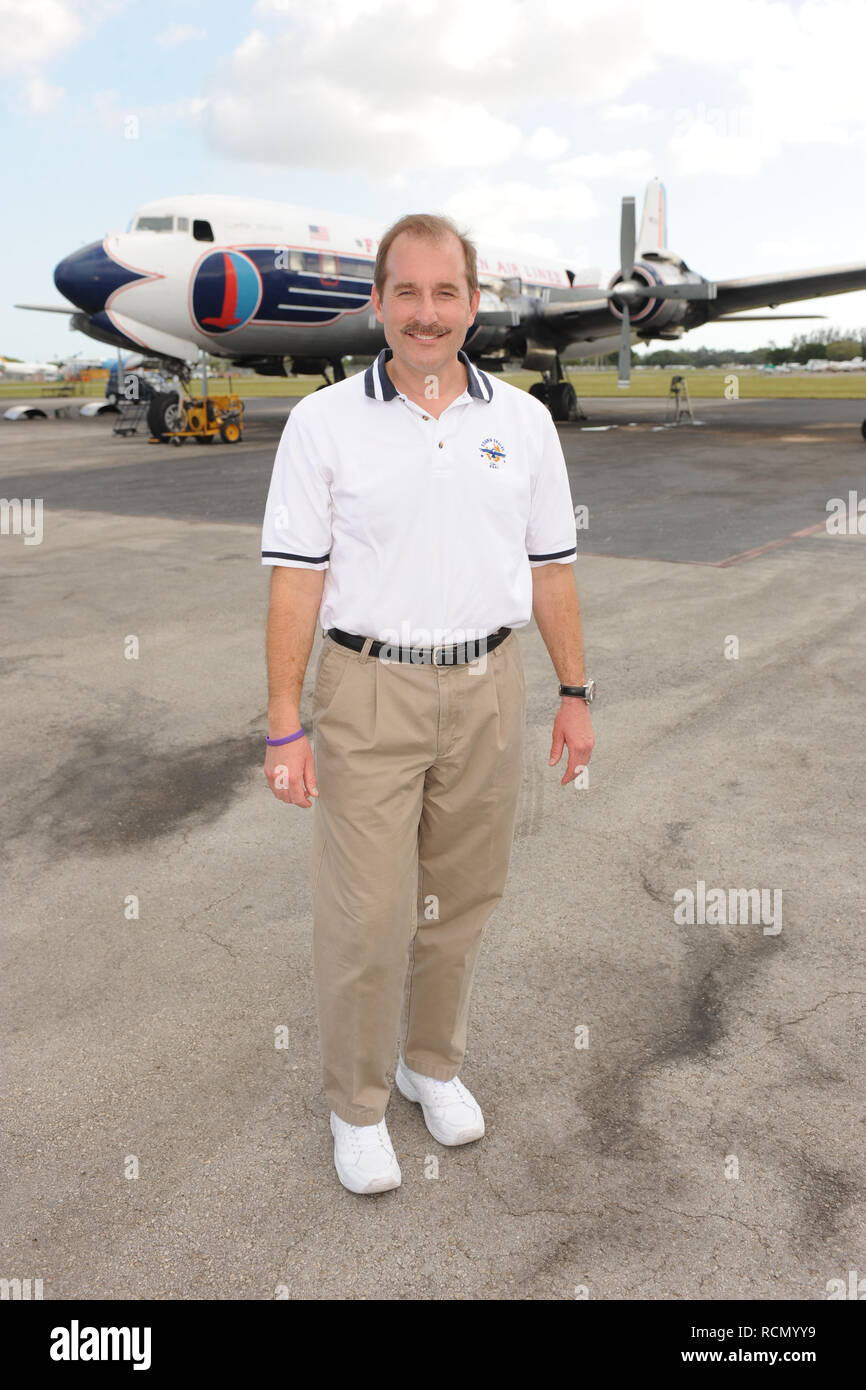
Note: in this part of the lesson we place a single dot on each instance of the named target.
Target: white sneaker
(363, 1156)
(451, 1113)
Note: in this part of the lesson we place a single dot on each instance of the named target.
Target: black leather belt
(455, 654)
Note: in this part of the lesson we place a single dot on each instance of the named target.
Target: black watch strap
(581, 692)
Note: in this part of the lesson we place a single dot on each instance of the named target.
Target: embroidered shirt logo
(493, 451)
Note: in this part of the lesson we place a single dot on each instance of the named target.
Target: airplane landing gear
(558, 395)
(338, 373)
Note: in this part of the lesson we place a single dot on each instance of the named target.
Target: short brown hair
(433, 228)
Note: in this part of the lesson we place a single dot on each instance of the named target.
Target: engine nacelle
(661, 313)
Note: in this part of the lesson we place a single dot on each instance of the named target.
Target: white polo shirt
(428, 529)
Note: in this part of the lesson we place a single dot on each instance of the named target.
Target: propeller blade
(624, 361)
(702, 290)
(705, 289)
(626, 239)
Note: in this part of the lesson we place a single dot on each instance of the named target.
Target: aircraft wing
(585, 320)
(568, 320)
(788, 285)
(48, 308)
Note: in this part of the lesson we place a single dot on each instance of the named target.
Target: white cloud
(800, 77)
(790, 253)
(40, 96)
(36, 33)
(348, 130)
(39, 32)
(545, 143)
(718, 142)
(179, 33)
(409, 84)
(405, 85)
(619, 164)
(636, 111)
(507, 212)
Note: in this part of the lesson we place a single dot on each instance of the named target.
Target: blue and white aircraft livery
(259, 282)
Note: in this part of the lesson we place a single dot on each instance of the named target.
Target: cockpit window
(155, 224)
(183, 224)
(202, 231)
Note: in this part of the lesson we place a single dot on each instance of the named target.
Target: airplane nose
(90, 276)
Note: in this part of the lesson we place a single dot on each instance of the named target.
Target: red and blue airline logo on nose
(226, 291)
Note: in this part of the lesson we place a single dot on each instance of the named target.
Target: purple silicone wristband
(289, 739)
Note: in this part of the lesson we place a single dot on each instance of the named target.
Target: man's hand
(291, 772)
(572, 728)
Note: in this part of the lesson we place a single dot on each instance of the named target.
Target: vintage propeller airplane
(261, 283)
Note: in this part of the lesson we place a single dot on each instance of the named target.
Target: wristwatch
(583, 692)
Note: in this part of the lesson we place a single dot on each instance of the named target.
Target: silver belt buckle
(440, 648)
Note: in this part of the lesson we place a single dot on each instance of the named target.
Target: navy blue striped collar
(380, 387)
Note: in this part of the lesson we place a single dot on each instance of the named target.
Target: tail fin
(654, 223)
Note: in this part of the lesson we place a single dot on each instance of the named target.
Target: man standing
(420, 512)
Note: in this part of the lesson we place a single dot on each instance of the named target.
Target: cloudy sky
(527, 120)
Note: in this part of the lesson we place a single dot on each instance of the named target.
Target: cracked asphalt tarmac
(674, 1110)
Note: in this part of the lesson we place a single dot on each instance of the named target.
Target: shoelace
(449, 1092)
(446, 1090)
(373, 1137)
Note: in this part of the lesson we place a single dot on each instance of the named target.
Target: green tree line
(835, 344)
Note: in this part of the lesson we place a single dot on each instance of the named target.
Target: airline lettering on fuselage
(525, 272)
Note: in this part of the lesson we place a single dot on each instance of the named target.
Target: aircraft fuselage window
(330, 267)
(356, 270)
(202, 231)
(155, 224)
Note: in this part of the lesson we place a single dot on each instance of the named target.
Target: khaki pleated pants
(418, 769)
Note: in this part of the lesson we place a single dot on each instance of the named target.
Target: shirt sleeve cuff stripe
(287, 555)
(555, 555)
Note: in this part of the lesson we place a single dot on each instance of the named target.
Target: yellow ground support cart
(174, 419)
